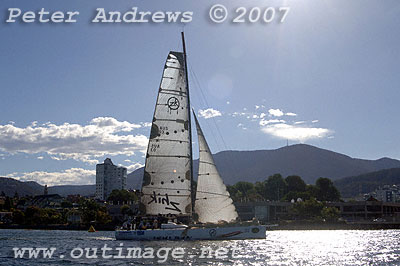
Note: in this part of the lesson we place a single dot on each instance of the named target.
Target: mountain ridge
(309, 162)
(354, 185)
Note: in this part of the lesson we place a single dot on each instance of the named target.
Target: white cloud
(279, 113)
(291, 114)
(102, 136)
(315, 121)
(113, 125)
(228, 102)
(146, 124)
(299, 122)
(40, 157)
(262, 115)
(238, 114)
(264, 122)
(275, 112)
(133, 167)
(293, 132)
(209, 113)
(73, 176)
(240, 125)
(257, 106)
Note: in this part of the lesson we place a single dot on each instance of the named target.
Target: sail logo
(173, 103)
(164, 200)
(213, 232)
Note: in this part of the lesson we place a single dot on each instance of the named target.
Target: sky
(73, 94)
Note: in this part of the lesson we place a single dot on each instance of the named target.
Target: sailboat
(207, 212)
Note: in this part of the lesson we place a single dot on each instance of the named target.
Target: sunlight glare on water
(324, 247)
(343, 247)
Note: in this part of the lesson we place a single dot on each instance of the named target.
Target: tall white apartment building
(108, 178)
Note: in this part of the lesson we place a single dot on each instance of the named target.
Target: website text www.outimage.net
(162, 254)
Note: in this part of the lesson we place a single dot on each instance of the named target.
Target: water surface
(320, 247)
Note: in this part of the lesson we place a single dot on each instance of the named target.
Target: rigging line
(208, 198)
(213, 119)
(211, 130)
(166, 188)
(202, 97)
(179, 45)
(213, 193)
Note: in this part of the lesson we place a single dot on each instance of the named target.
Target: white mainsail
(213, 202)
(166, 187)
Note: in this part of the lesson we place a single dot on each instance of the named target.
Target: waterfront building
(264, 211)
(108, 178)
(274, 211)
(386, 193)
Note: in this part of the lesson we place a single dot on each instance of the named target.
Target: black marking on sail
(155, 132)
(173, 103)
(179, 57)
(188, 208)
(187, 175)
(146, 179)
(164, 200)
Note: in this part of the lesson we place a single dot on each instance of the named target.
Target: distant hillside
(9, 186)
(134, 179)
(365, 183)
(83, 190)
(307, 161)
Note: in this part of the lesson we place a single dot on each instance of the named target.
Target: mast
(190, 123)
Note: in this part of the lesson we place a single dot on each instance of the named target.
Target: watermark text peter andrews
(134, 15)
(121, 252)
(217, 14)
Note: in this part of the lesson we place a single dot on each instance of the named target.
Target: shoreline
(349, 226)
(301, 226)
(58, 227)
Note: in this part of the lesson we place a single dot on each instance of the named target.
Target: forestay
(213, 202)
(167, 176)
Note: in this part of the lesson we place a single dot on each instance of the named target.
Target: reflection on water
(357, 247)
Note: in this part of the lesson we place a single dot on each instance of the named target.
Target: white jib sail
(213, 202)
(167, 175)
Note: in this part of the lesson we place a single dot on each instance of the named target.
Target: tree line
(277, 188)
(89, 210)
